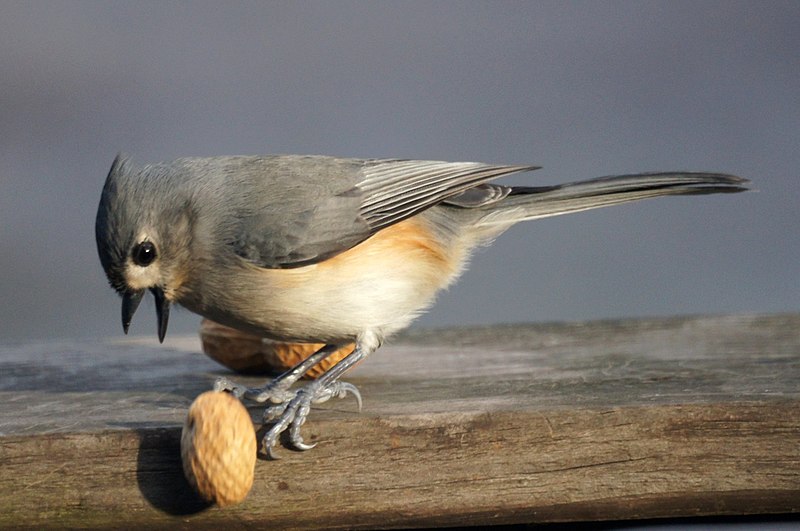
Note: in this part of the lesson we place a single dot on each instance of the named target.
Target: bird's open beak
(162, 312)
(130, 302)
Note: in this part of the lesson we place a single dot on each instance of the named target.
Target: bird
(320, 249)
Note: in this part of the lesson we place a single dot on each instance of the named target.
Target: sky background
(582, 88)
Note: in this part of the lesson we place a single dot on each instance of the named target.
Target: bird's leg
(277, 390)
(292, 414)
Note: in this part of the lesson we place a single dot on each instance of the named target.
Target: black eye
(144, 254)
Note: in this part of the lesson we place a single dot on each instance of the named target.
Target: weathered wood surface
(527, 423)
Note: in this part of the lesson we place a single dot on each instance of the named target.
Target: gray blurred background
(582, 88)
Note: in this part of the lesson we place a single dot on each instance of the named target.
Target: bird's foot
(291, 407)
(291, 414)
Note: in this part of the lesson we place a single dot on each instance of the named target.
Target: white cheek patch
(138, 277)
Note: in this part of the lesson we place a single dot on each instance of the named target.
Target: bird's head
(143, 233)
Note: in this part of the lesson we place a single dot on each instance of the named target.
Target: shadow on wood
(159, 473)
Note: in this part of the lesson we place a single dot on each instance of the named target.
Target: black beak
(130, 302)
(162, 312)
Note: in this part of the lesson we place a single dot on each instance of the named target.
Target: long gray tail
(528, 203)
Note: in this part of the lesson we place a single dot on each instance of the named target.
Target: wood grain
(505, 424)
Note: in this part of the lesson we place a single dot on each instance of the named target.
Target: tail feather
(528, 203)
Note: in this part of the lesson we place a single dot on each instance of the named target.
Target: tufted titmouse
(321, 249)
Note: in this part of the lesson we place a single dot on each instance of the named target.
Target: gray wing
(395, 190)
(317, 207)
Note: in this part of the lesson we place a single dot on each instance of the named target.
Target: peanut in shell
(218, 448)
(251, 354)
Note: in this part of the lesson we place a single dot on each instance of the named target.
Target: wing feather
(395, 190)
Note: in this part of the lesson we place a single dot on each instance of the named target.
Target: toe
(273, 413)
(223, 384)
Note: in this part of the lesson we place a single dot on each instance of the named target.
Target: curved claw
(266, 447)
(296, 440)
(345, 388)
(271, 438)
(337, 390)
(300, 445)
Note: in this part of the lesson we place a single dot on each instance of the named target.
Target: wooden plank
(506, 424)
